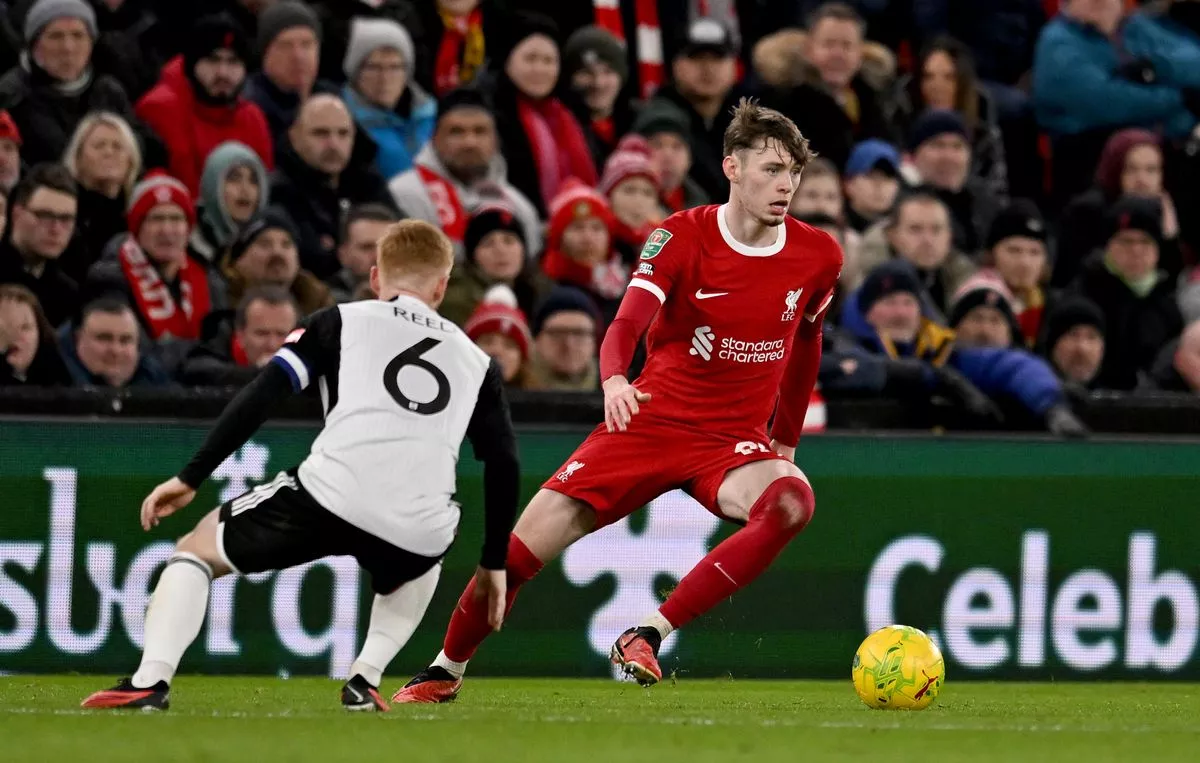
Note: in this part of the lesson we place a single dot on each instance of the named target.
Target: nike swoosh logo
(357, 696)
(702, 294)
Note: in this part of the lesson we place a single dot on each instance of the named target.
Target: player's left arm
(804, 361)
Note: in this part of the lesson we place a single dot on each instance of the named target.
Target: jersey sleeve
(664, 256)
(491, 434)
(311, 351)
(827, 280)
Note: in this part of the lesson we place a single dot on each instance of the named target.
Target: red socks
(469, 625)
(781, 512)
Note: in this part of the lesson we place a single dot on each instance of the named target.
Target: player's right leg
(173, 620)
(551, 522)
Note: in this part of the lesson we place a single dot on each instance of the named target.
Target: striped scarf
(648, 38)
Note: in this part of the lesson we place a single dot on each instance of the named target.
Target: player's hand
(621, 402)
(784, 451)
(492, 584)
(165, 500)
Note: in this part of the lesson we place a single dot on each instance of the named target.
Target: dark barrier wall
(1029, 559)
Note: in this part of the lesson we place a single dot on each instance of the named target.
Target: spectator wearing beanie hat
(580, 248)
(982, 313)
(565, 327)
(198, 104)
(890, 299)
(596, 68)
(630, 182)
(1137, 298)
(542, 141)
(265, 254)
(462, 169)
(500, 330)
(56, 86)
(940, 154)
(1016, 253)
(381, 95)
(1074, 340)
(496, 254)
(170, 290)
(289, 42)
(666, 128)
(10, 154)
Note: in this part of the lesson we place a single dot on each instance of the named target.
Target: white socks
(393, 619)
(456, 669)
(658, 623)
(174, 617)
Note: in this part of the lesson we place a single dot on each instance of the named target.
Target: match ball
(898, 668)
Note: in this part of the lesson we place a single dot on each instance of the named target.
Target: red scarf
(460, 53)
(238, 352)
(451, 215)
(607, 279)
(674, 200)
(605, 130)
(648, 37)
(166, 318)
(559, 147)
(634, 237)
(1030, 321)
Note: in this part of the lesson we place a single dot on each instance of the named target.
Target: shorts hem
(221, 549)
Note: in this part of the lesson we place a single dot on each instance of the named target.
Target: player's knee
(789, 504)
(522, 564)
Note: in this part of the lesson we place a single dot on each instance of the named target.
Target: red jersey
(718, 348)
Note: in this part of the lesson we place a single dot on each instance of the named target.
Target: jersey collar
(750, 251)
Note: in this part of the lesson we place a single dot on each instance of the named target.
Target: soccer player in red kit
(733, 297)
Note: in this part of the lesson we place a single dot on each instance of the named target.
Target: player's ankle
(658, 623)
(373, 675)
(150, 673)
(456, 669)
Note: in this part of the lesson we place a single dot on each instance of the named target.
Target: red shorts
(617, 473)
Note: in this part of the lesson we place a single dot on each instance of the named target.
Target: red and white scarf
(166, 318)
(451, 215)
(560, 149)
(648, 38)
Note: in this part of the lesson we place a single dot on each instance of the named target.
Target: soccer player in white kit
(400, 386)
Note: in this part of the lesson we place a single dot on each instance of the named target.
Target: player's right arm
(658, 267)
(304, 357)
(495, 444)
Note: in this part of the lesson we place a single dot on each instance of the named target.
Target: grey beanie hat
(369, 35)
(45, 11)
(282, 16)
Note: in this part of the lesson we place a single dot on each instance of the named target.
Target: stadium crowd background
(1014, 182)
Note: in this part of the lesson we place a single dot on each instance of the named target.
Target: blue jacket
(1173, 49)
(399, 138)
(996, 372)
(1077, 86)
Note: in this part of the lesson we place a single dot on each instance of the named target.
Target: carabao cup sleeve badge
(654, 243)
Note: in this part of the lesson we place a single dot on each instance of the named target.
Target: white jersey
(399, 385)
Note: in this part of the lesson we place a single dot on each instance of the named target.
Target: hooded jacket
(215, 229)
(192, 130)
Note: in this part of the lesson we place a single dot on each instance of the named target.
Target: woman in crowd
(1131, 165)
(382, 96)
(28, 347)
(500, 330)
(233, 189)
(945, 79)
(496, 254)
(105, 159)
(580, 250)
(543, 143)
(631, 184)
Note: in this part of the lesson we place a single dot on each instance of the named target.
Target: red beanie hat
(498, 314)
(8, 128)
(576, 200)
(631, 158)
(158, 188)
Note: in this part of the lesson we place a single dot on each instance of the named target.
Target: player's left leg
(773, 499)
(173, 620)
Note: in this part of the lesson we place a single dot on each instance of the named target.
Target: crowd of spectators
(1014, 182)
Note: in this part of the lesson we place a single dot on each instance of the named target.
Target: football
(898, 668)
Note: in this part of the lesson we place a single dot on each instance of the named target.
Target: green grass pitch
(268, 720)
